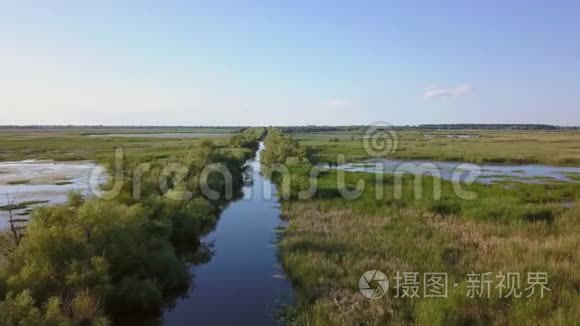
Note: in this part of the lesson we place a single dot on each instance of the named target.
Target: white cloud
(436, 92)
(337, 104)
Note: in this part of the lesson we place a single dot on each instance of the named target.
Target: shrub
(445, 207)
(21, 309)
(543, 214)
(279, 147)
(132, 295)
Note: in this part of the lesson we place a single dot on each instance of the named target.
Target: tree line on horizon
(307, 128)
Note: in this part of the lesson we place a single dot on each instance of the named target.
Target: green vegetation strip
(18, 182)
(22, 205)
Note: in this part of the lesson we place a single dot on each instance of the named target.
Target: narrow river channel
(243, 284)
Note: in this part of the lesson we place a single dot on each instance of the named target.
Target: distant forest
(433, 127)
(120, 129)
(290, 129)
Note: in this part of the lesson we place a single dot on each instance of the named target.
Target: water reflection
(489, 173)
(42, 182)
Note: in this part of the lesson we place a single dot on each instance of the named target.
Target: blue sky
(289, 62)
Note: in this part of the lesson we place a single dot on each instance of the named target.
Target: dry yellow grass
(325, 251)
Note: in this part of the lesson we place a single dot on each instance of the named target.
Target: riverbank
(91, 259)
(517, 228)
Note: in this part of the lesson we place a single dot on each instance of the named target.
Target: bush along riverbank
(90, 261)
(523, 229)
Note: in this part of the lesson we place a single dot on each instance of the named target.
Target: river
(243, 283)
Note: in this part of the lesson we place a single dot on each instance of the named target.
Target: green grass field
(542, 147)
(80, 144)
(511, 227)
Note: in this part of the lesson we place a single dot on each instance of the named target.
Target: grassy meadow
(474, 146)
(69, 144)
(512, 227)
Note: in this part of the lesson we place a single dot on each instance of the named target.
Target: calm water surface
(530, 173)
(44, 181)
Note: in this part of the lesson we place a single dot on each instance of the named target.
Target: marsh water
(43, 182)
(243, 283)
(488, 173)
